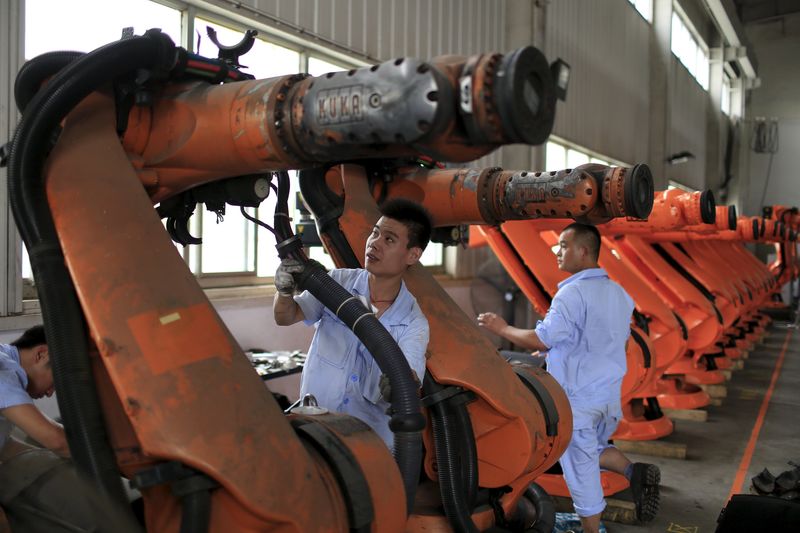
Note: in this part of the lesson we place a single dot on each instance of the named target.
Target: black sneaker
(644, 486)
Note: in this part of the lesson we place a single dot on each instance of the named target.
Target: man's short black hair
(413, 216)
(589, 236)
(31, 337)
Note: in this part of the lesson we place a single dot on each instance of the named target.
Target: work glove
(284, 278)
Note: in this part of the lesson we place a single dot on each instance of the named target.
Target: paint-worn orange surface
(166, 360)
(589, 192)
(197, 132)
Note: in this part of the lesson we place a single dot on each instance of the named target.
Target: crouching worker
(339, 371)
(40, 489)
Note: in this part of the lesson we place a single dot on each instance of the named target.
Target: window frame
(569, 145)
(699, 43)
(190, 13)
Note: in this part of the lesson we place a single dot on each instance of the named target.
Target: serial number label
(340, 106)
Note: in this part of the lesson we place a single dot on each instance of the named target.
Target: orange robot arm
(589, 193)
(452, 109)
(165, 368)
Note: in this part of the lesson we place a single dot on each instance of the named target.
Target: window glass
(680, 186)
(555, 156)
(56, 25)
(228, 244)
(27, 273)
(644, 7)
(432, 255)
(318, 67)
(689, 50)
(561, 157)
(725, 97)
(576, 158)
(53, 25)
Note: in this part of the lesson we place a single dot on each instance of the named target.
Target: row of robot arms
(152, 385)
(694, 315)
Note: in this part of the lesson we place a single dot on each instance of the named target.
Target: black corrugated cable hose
(451, 485)
(469, 452)
(34, 72)
(61, 312)
(545, 509)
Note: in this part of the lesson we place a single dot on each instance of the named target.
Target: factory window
(644, 7)
(689, 48)
(560, 154)
(725, 97)
(234, 251)
(51, 26)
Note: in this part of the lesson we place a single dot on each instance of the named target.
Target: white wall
(251, 323)
(688, 130)
(777, 45)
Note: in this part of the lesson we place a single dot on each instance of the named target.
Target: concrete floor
(693, 491)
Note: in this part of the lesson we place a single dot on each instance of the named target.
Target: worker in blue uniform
(584, 333)
(40, 488)
(339, 371)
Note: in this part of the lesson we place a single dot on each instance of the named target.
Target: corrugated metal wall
(607, 45)
(687, 126)
(390, 28)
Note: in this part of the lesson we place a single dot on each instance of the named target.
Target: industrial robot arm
(161, 357)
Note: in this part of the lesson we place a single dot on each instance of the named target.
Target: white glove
(284, 279)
